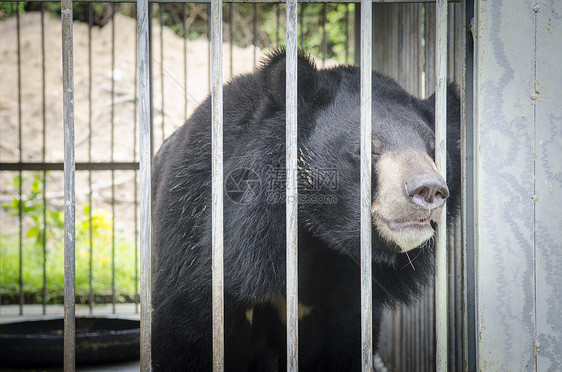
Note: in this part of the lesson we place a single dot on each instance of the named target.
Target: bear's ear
(426, 108)
(273, 77)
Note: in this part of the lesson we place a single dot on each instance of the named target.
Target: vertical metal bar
(408, 330)
(231, 38)
(413, 333)
(451, 46)
(440, 161)
(69, 185)
(145, 151)
(467, 208)
(420, 47)
(136, 195)
(277, 24)
(432, 331)
(458, 334)
(356, 34)
(43, 157)
(423, 331)
(324, 35)
(346, 26)
(217, 186)
(395, 340)
(451, 259)
(417, 338)
(419, 50)
(406, 335)
(403, 351)
(113, 294)
(20, 185)
(291, 184)
(366, 224)
(459, 77)
(184, 25)
(208, 32)
(430, 49)
(301, 26)
(255, 31)
(150, 74)
(161, 34)
(90, 219)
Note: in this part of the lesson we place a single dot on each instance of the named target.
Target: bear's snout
(427, 190)
(410, 194)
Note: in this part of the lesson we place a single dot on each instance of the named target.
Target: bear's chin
(405, 235)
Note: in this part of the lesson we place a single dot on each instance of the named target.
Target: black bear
(408, 198)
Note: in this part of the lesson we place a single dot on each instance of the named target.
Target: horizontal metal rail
(55, 166)
(241, 1)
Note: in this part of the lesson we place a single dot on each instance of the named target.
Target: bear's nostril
(427, 190)
(422, 193)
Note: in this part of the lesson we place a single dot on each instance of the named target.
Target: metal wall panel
(548, 185)
(504, 184)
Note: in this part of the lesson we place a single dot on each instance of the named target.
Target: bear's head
(408, 194)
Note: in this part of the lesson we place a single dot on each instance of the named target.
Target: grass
(38, 261)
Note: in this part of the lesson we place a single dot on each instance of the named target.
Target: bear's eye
(376, 147)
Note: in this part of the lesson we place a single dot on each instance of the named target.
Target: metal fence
(451, 325)
(423, 30)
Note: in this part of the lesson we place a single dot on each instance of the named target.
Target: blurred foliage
(261, 24)
(9, 9)
(37, 222)
(264, 25)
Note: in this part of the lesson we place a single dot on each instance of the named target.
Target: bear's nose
(427, 190)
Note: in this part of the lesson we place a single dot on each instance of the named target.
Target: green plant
(42, 246)
(8, 9)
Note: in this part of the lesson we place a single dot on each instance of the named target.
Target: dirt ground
(99, 92)
(104, 98)
(40, 101)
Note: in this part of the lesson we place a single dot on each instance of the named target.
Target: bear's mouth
(406, 233)
(412, 224)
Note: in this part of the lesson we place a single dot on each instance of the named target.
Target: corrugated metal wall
(516, 194)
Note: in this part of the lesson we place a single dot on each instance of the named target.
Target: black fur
(254, 230)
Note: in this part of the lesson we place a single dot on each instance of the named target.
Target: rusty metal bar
(440, 161)
(143, 66)
(291, 185)
(69, 186)
(366, 224)
(217, 182)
